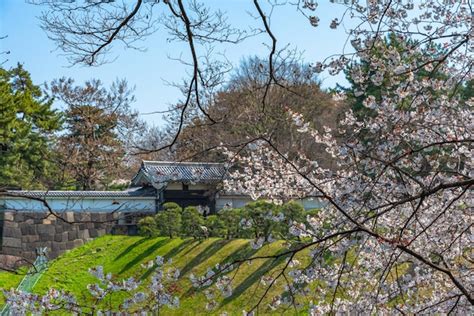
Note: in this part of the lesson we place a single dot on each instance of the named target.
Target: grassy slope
(123, 256)
(10, 280)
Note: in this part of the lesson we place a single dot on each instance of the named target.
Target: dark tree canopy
(27, 122)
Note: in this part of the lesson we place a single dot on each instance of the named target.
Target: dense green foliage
(147, 226)
(216, 226)
(27, 122)
(168, 222)
(259, 219)
(192, 223)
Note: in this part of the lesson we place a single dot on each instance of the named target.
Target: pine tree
(27, 123)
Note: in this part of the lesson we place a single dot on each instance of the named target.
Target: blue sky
(148, 71)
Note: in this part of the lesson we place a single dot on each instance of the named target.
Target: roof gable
(158, 173)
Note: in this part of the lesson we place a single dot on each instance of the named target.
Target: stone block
(101, 232)
(11, 262)
(72, 235)
(65, 236)
(9, 216)
(11, 232)
(81, 217)
(55, 246)
(11, 242)
(93, 233)
(86, 217)
(58, 237)
(94, 217)
(12, 251)
(27, 229)
(101, 217)
(26, 246)
(30, 239)
(78, 243)
(84, 234)
(69, 216)
(35, 215)
(30, 255)
(45, 229)
(10, 224)
(20, 217)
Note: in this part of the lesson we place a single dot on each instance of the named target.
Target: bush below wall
(260, 219)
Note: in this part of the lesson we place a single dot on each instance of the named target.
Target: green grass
(123, 256)
(10, 280)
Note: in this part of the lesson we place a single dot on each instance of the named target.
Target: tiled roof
(158, 172)
(82, 194)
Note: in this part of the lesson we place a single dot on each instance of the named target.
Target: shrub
(168, 221)
(216, 226)
(171, 205)
(292, 212)
(192, 223)
(231, 220)
(147, 226)
(260, 215)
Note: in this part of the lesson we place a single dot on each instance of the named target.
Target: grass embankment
(10, 280)
(123, 256)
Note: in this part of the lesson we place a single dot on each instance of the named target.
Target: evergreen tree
(27, 123)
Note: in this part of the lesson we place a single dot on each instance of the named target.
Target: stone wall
(23, 232)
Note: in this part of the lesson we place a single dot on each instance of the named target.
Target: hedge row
(255, 220)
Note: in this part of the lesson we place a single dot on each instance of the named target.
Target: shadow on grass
(204, 255)
(176, 250)
(243, 252)
(144, 254)
(267, 266)
(173, 252)
(130, 248)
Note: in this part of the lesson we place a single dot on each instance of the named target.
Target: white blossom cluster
(398, 220)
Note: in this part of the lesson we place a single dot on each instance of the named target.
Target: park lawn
(10, 280)
(123, 256)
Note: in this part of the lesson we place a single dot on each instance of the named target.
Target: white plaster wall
(198, 187)
(81, 205)
(238, 202)
(311, 203)
(232, 201)
(174, 186)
